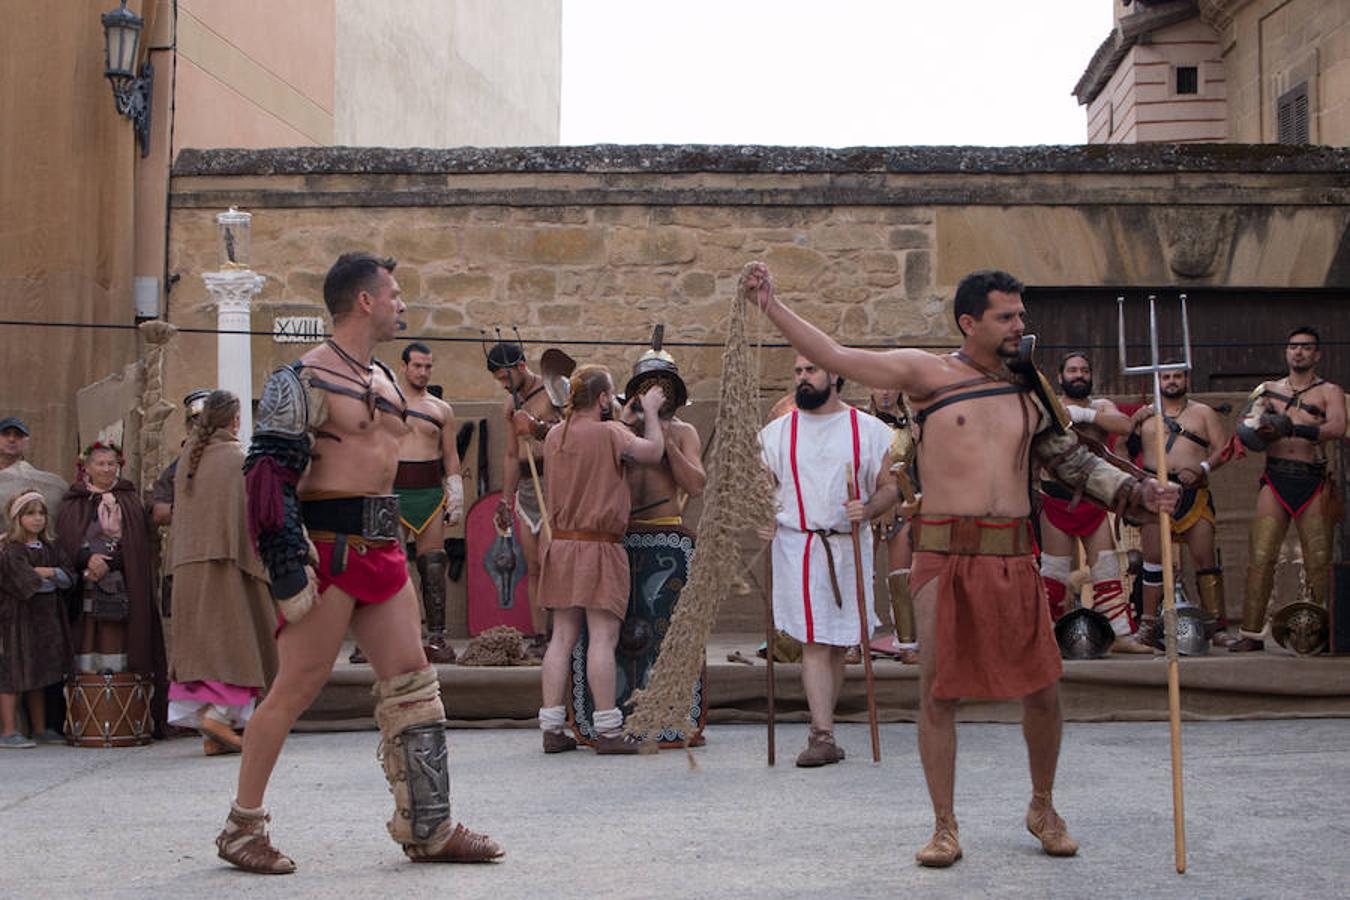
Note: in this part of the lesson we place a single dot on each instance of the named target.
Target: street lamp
(131, 90)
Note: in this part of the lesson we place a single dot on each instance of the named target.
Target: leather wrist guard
(1309, 433)
(411, 718)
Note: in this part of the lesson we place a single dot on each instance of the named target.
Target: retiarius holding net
(584, 578)
(823, 454)
(979, 601)
(320, 479)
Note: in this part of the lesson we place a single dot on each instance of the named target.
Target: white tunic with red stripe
(810, 456)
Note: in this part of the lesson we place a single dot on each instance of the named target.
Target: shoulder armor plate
(283, 409)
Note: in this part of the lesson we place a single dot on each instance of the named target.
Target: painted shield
(498, 591)
(658, 565)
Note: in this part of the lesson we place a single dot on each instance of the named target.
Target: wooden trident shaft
(1155, 368)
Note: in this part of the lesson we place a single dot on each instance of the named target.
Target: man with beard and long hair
(1289, 420)
(1196, 445)
(979, 601)
(815, 453)
(1063, 520)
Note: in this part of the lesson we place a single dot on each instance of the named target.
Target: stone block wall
(595, 245)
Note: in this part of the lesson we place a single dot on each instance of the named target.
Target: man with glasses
(1289, 420)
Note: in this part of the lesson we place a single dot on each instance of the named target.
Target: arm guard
(277, 457)
(1073, 464)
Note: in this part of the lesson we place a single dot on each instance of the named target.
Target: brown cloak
(223, 620)
(145, 638)
(34, 634)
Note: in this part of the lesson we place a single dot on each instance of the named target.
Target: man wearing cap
(530, 411)
(17, 474)
(430, 489)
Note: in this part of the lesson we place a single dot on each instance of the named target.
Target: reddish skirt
(992, 635)
(1082, 521)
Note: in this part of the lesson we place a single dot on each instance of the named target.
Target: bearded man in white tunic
(818, 452)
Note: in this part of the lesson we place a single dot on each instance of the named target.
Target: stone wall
(596, 245)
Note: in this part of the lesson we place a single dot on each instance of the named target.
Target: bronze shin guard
(1263, 551)
(431, 567)
(1314, 535)
(411, 718)
(1209, 584)
(902, 607)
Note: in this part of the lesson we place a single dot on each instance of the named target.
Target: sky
(832, 73)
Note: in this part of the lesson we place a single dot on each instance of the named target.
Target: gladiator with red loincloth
(320, 477)
(1067, 517)
(987, 418)
(1290, 420)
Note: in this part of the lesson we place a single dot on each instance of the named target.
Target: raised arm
(652, 445)
(880, 369)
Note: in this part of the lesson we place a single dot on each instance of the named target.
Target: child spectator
(35, 646)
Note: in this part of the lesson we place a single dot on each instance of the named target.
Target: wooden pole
(538, 492)
(769, 642)
(865, 642)
(1170, 634)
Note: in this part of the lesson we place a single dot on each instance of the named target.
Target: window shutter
(1291, 116)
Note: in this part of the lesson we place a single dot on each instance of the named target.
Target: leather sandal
(1048, 828)
(220, 733)
(558, 742)
(244, 844)
(821, 750)
(438, 650)
(616, 745)
(1246, 645)
(462, 846)
(213, 747)
(942, 849)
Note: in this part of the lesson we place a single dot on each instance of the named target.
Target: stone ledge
(613, 158)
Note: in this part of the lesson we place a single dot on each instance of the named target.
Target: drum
(108, 710)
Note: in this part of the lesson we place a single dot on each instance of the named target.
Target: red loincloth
(992, 636)
(371, 577)
(1082, 521)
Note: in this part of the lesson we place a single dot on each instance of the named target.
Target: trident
(1155, 368)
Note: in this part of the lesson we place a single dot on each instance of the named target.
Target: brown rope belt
(599, 537)
(825, 534)
(974, 535)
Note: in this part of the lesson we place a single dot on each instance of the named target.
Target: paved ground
(1266, 817)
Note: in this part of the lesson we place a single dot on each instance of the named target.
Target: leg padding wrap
(431, 567)
(1263, 551)
(1108, 594)
(412, 748)
(1055, 573)
(1152, 575)
(902, 607)
(1209, 584)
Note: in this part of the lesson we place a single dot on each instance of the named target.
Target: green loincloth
(418, 506)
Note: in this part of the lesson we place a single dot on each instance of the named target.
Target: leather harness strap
(1295, 401)
(426, 417)
(923, 414)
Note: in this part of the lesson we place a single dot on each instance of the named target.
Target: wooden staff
(538, 492)
(865, 642)
(1155, 368)
(1173, 675)
(769, 641)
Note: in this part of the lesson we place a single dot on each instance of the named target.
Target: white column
(233, 291)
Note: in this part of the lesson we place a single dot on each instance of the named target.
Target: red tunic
(992, 635)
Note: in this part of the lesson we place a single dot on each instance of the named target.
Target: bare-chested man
(529, 413)
(326, 524)
(1289, 420)
(1196, 445)
(660, 490)
(430, 489)
(974, 569)
(1063, 521)
(893, 528)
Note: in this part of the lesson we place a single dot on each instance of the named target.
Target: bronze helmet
(656, 366)
(1301, 627)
